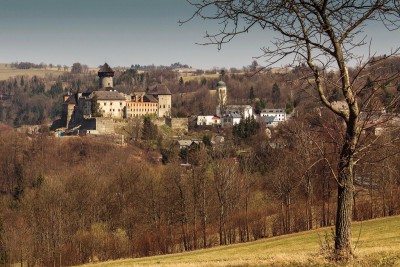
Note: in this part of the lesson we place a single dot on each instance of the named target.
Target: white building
(230, 120)
(208, 120)
(245, 111)
(111, 104)
(272, 117)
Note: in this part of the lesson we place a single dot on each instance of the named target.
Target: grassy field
(7, 72)
(377, 244)
(198, 78)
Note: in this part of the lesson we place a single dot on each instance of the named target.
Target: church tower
(106, 75)
(222, 98)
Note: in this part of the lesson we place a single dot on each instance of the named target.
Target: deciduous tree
(322, 34)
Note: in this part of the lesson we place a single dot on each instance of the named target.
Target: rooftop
(109, 95)
(159, 89)
(105, 68)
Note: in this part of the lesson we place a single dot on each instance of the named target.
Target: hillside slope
(377, 244)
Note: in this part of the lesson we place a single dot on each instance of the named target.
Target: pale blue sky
(125, 32)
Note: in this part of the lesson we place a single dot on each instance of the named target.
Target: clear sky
(126, 32)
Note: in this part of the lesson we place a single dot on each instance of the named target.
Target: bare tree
(323, 34)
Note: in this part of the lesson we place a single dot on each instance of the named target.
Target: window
(120, 103)
(105, 103)
(110, 103)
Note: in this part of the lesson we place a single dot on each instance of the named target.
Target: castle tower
(222, 98)
(163, 95)
(106, 75)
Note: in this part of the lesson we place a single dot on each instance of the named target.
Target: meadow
(7, 72)
(377, 243)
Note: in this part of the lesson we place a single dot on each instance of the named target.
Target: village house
(272, 117)
(230, 120)
(208, 120)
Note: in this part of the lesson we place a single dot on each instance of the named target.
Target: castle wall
(178, 124)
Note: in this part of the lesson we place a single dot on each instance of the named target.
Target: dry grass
(199, 77)
(378, 245)
(7, 72)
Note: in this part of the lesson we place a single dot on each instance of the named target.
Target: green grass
(377, 244)
(7, 72)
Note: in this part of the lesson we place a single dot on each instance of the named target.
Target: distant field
(377, 244)
(7, 72)
(207, 76)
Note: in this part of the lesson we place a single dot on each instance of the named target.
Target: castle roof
(159, 89)
(105, 68)
(109, 95)
(150, 98)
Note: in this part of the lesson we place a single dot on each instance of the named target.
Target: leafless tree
(324, 35)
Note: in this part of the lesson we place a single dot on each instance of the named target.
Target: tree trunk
(343, 244)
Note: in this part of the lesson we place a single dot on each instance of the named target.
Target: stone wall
(178, 124)
(105, 126)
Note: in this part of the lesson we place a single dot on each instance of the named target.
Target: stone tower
(106, 75)
(163, 95)
(222, 98)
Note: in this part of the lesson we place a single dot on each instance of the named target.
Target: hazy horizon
(125, 32)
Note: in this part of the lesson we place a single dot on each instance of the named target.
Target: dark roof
(233, 115)
(109, 95)
(105, 68)
(159, 89)
(149, 98)
(138, 89)
(71, 99)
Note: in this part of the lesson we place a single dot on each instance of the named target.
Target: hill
(7, 72)
(377, 244)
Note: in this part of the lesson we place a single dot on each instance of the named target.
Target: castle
(109, 103)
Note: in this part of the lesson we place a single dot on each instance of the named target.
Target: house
(183, 144)
(208, 120)
(272, 117)
(244, 111)
(230, 120)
